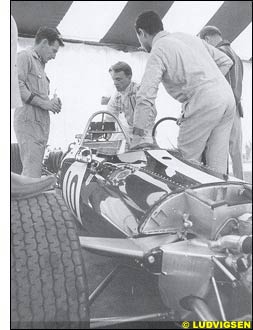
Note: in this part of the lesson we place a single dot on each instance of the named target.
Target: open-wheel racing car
(149, 207)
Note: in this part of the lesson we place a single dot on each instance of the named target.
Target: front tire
(48, 281)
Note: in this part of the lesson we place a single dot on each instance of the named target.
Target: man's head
(47, 43)
(211, 34)
(147, 25)
(121, 74)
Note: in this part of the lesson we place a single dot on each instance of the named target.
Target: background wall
(80, 76)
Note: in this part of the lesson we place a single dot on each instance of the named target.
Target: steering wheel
(160, 121)
(154, 131)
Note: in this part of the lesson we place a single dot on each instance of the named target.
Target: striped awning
(112, 22)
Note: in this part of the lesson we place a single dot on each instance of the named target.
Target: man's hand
(60, 102)
(105, 100)
(53, 105)
(180, 119)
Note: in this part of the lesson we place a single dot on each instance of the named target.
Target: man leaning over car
(192, 72)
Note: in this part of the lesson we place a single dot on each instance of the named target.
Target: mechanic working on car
(213, 36)
(185, 66)
(124, 100)
(32, 120)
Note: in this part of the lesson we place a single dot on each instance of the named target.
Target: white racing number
(72, 184)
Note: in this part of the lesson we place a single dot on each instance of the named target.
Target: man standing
(212, 35)
(124, 100)
(32, 120)
(192, 71)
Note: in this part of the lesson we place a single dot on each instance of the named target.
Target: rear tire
(48, 281)
(16, 164)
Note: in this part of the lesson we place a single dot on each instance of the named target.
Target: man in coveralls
(32, 120)
(212, 35)
(22, 185)
(192, 72)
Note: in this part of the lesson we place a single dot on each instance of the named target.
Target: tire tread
(48, 281)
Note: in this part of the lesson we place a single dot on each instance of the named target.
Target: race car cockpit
(104, 134)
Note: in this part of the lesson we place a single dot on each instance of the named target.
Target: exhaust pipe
(199, 306)
(239, 244)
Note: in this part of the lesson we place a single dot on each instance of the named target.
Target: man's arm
(145, 111)
(232, 56)
(23, 65)
(113, 107)
(221, 59)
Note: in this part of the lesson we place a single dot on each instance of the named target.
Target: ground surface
(131, 292)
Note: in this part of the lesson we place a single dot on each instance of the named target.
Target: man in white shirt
(122, 104)
(192, 72)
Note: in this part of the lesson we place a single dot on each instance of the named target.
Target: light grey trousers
(207, 126)
(32, 139)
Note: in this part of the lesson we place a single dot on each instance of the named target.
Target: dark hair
(121, 66)
(209, 31)
(50, 34)
(150, 22)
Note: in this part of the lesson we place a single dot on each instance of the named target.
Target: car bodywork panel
(179, 220)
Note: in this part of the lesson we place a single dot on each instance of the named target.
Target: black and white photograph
(130, 164)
